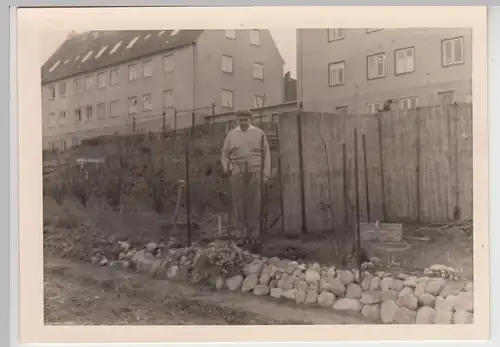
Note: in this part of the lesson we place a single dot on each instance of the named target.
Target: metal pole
(365, 163)
(163, 125)
(262, 193)
(213, 117)
(344, 185)
(280, 178)
(381, 163)
(301, 168)
(188, 190)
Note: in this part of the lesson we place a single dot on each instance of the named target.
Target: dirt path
(81, 294)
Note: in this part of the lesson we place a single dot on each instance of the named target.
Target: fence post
(301, 171)
(192, 123)
(344, 185)
(356, 179)
(417, 167)
(280, 178)
(188, 190)
(213, 117)
(381, 163)
(365, 163)
(163, 125)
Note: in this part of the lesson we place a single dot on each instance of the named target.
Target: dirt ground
(81, 294)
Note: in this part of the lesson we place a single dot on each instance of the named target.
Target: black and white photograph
(258, 176)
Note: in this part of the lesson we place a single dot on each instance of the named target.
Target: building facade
(356, 71)
(101, 83)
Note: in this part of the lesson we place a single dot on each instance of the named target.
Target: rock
(398, 286)
(452, 288)
(405, 291)
(347, 304)
(283, 264)
(427, 300)
(297, 272)
(288, 283)
(366, 282)
(302, 267)
(300, 296)
(469, 287)
(324, 286)
(420, 289)
(255, 267)
(301, 285)
(234, 283)
(172, 272)
(411, 282)
(464, 302)
(403, 277)
(276, 293)
(289, 294)
(326, 299)
(405, 316)
(386, 284)
(314, 286)
(423, 279)
(273, 284)
(273, 261)
(435, 286)
(311, 296)
(261, 290)
(155, 267)
(331, 271)
(425, 315)
(371, 311)
(375, 285)
(388, 311)
(151, 247)
(124, 245)
(103, 262)
(312, 276)
(444, 304)
(302, 277)
(346, 277)
(408, 301)
(264, 279)
(353, 291)
(336, 286)
(463, 317)
(249, 283)
(369, 298)
(388, 295)
(219, 283)
(291, 267)
(443, 317)
(278, 275)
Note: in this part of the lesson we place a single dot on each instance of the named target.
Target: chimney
(72, 35)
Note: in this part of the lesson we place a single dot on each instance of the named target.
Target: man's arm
(224, 159)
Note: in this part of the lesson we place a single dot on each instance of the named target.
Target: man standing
(247, 160)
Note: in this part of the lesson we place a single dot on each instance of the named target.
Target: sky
(285, 40)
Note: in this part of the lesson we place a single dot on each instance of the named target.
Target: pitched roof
(90, 51)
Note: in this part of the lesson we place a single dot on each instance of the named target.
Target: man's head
(244, 119)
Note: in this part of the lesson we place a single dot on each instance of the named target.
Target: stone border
(379, 296)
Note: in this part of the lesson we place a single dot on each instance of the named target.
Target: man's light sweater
(245, 146)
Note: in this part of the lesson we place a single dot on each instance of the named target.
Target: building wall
(428, 79)
(213, 44)
(210, 80)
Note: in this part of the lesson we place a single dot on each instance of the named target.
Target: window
(168, 63)
(336, 74)
(132, 105)
(101, 52)
(55, 66)
(376, 66)
(231, 34)
(77, 85)
(255, 37)
(62, 89)
(89, 82)
(373, 107)
(63, 145)
(74, 141)
(341, 110)
(78, 115)
(87, 56)
(101, 79)
(446, 98)
(89, 113)
(52, 119)
(258, 101)
(453, 51)
(227, 64)
(168, 98)
(405, 60)
(409, 103)
(115, 47)
(147, 68)
(335, 34)
(113, 77)
(133, 72)
(52, 92)
(52, 145)
(101, 110)
(258, 71)
(113, 109)
(227, 98)
(62, 117)
(132, 42)
(372, 30)
(147, 104)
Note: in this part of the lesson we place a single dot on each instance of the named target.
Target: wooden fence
(418, 166)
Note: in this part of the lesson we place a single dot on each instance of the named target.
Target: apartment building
(355, 71)
(102, 82)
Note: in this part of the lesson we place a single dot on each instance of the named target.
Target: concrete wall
(429, 77)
